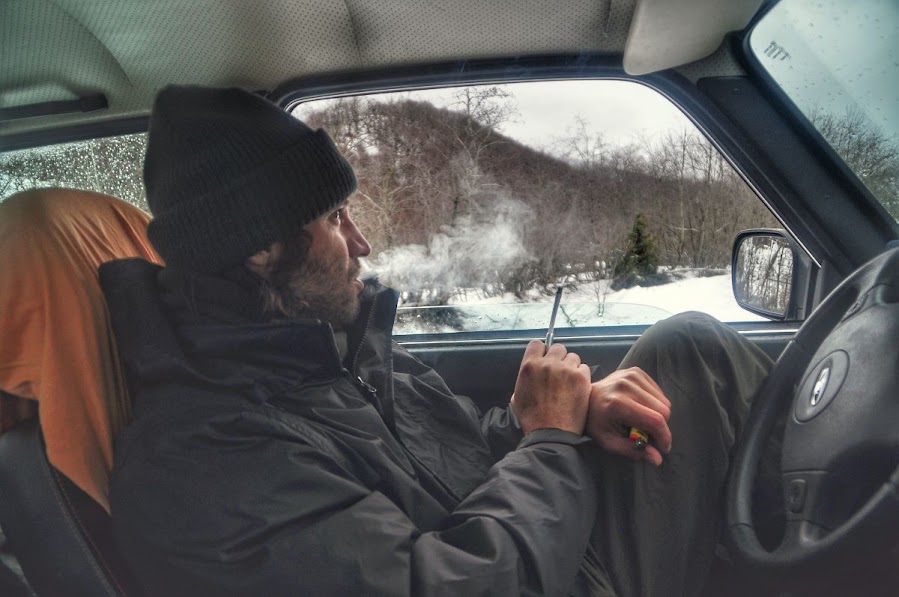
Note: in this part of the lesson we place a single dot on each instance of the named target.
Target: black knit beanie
(228, 173)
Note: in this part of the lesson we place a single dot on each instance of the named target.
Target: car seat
(62, 392)
(61, 537)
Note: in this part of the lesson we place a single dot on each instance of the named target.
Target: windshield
(839, 63)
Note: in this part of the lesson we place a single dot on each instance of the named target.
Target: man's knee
(691, 330)
(692, 343)
(700, 358)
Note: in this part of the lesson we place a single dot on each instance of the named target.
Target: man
(283, 444)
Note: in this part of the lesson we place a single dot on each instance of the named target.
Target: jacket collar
(173, 324)
(210, 305)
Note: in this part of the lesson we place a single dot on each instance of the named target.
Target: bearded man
(283, 444)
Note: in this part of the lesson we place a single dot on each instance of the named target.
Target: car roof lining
(127, 50)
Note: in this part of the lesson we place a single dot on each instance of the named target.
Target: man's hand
(627, 398)
(552, 390)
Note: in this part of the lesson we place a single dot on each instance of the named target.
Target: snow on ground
(582, 307)
(712, 295)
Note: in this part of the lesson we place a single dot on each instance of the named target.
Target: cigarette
(552, 319)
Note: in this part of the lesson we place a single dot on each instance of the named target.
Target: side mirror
(767, 267)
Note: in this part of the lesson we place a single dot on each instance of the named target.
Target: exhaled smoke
(478, 252)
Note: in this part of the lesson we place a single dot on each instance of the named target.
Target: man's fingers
(552, 390)
(649, 384)
(630, 398)
(651, 422)
(535, 348)
(652, 400)
(557, 350)
(572, 358)
(639, 387)
(622, 446)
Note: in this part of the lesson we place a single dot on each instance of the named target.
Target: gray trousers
(657, 528)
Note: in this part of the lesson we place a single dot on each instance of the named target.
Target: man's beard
(314, 289)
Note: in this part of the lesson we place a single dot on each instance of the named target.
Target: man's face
(323, 283)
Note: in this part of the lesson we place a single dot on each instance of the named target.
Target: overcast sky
(546, 110)
(622, 111)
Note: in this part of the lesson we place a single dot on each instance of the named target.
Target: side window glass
(480, 201)
(112, 165)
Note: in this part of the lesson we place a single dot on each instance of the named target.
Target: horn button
(821, 386)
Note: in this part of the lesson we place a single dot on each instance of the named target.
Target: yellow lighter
(639, 437)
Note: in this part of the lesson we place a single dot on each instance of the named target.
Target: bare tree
(872, 155)
(702, 200)
(484, 112)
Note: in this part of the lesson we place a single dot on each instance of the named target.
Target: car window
(839, 64)
(112, 165)
(480, 201)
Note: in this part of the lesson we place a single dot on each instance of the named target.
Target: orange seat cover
(56, 345)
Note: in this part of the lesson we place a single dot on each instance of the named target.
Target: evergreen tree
(640, 257)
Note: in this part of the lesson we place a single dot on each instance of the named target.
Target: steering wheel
(840, 454)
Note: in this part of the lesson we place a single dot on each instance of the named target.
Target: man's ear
(264, 261)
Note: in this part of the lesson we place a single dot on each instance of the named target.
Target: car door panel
(485, 370)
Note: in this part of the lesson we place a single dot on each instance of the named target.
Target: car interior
(754, 79)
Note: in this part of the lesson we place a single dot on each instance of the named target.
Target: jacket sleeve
(206, 518)
(501, 430)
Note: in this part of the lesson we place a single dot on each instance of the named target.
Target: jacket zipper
(375, 400)
(371, 390)
(355, 361)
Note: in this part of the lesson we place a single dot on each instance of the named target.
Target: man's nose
(357, 244)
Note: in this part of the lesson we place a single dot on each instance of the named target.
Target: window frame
(671, 85)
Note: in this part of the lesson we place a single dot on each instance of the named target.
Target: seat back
(62, 390)
(61, 537)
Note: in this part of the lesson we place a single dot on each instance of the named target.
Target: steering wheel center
(821, 386)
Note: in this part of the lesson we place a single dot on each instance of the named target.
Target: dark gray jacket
(260, 463)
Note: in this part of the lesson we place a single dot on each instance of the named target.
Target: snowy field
(591, 304)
